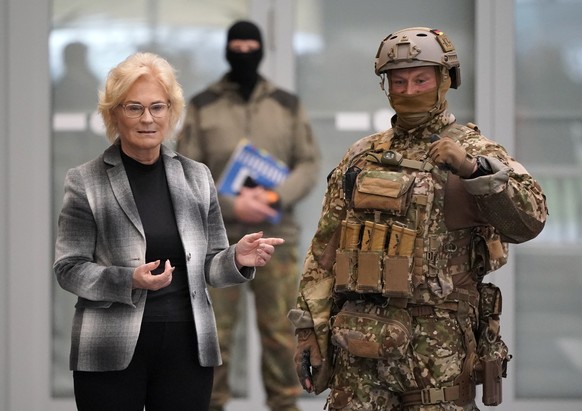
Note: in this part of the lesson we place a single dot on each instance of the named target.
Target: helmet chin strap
(383, 76)
(444, 84)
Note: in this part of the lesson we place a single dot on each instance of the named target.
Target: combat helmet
(416, 47)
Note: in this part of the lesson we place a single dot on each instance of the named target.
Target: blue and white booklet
(250, 163)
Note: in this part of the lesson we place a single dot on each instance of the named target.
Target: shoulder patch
(286, 99)
(203, 99)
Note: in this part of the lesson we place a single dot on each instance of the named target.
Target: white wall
(3, 208)
(25, 241)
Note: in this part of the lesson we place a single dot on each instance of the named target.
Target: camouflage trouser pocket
(371, 331)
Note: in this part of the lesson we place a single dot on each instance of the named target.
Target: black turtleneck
(154, 203)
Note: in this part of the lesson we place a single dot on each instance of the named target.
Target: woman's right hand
(143, 277)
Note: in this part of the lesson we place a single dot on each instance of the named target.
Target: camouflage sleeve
(510, 199)
(314, 301)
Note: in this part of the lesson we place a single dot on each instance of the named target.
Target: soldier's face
(412, 80)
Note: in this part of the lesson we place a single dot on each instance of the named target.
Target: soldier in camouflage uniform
(392, 312)
(245, 105)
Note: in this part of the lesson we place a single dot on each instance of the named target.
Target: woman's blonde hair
(125, 74)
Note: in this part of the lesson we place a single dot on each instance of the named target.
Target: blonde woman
(140, 238)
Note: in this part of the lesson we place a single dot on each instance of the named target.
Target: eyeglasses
(135, 110)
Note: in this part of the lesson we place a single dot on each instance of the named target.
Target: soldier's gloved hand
(307, 357)
(445, 152)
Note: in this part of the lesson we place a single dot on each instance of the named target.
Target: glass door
(548, 282)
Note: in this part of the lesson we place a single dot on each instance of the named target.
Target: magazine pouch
(346, 258)
(346, 265)
(369, 272)
(397, 277)
(397, 272)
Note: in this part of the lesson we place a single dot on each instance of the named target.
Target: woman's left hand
(255, 251)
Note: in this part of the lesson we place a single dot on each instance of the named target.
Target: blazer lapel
(183, 200)
(120, 186)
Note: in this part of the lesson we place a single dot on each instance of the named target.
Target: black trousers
(164, 374)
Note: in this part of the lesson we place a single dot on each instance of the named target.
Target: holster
(492, 351)
(492, 374)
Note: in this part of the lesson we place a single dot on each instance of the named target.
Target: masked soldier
(245, 105)
(392, 311)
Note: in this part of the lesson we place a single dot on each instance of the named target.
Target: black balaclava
(244, 66)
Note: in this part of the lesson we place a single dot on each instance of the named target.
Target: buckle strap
(469, 296)
(417, 165)
(395, 159)
(428, 396)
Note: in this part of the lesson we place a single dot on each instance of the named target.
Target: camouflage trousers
(434, 358)
(275, 292)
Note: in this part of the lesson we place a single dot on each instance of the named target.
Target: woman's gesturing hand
(255, 251)
(143, 277)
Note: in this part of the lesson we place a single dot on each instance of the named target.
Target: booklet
(251, 164)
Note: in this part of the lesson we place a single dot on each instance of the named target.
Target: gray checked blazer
(100, 241)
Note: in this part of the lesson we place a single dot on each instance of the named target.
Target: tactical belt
(416, 310)
(375, 298)
(430, 396)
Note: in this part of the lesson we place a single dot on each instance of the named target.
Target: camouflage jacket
(508, 205)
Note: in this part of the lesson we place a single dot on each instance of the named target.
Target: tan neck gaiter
(412, 110)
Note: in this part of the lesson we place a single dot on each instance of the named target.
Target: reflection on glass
(549, 140)
(74, 141)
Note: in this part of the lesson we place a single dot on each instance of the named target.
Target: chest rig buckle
(392, 158)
